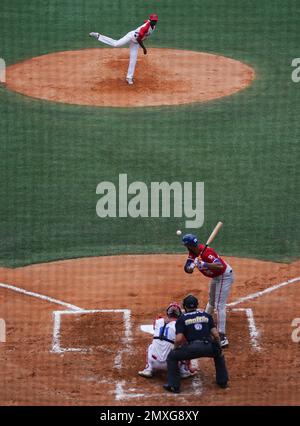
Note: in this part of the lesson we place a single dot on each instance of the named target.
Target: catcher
(163, 343)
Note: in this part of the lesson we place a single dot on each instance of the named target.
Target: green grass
(244, 147)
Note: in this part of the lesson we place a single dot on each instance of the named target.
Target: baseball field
(214, 102)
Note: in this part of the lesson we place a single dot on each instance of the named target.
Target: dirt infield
(97, 77)
(31, 374)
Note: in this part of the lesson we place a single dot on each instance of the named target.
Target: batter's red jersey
(210, 256)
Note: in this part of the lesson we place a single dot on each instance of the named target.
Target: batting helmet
(153, 17)
(174, 310)
(190, 240)
(190, 302)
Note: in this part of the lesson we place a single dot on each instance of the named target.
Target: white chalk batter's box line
(119, 391)
(56, 345)
(196, 385)
(196, 389)
(253, 331)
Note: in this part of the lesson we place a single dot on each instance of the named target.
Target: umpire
(196, 337)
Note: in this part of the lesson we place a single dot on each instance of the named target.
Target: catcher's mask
(190, 302)
(174, 310)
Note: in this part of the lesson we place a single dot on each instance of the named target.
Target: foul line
(40, 296)
(263, 292)
(56, 348)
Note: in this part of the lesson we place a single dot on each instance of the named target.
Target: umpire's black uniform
(195, 325)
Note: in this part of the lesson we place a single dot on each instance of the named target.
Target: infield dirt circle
(97, 77)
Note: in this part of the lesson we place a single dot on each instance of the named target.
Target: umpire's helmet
(190, 240)
(190, 302)
(174, 310)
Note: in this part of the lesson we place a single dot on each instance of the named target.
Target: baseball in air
(178, 232)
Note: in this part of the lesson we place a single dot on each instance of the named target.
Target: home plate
(147, 329)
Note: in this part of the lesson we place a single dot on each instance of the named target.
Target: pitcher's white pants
(133, 45)
(218, 295)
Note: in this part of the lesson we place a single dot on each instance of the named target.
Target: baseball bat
(212, 236)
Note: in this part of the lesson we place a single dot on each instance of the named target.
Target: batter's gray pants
(218, 295)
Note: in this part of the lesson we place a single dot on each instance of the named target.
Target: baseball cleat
(224, 341)
(129, 81)
(95, 35)
(223, 385)
(146, 373)
(170, 388)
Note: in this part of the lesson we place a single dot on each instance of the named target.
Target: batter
(135, 39)
(211, 265)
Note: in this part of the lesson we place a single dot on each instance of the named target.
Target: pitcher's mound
(97, 77)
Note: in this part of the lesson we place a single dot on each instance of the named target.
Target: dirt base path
(145, 285)
(97, 77)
